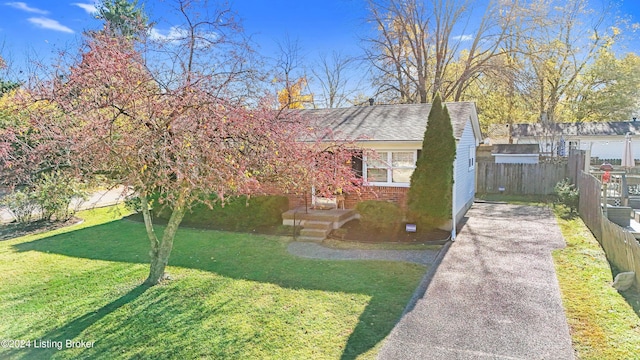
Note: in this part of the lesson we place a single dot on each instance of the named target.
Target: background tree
(499, 97)
(562, 38)
(418, 51)
(290, 76)
(609, 90)
(292, 97)
(333, 74)
(123, 17)
(430, 194)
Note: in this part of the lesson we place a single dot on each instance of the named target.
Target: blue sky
(40, 27)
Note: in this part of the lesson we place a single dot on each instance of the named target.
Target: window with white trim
(391, 168)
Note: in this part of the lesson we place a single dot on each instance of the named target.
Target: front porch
(317, 224)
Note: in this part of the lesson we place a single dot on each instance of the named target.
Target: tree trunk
(160, 251)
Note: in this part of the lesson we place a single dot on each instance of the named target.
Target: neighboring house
(605, 139)
(396, 132)
(516, 153)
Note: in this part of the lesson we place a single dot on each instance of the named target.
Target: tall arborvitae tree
(430, 194)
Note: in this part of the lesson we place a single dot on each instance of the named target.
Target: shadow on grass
(632, 295)
(566, 214)
(238, 256)
(633, 298)
(73, 329)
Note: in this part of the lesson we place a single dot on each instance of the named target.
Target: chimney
(371, 101)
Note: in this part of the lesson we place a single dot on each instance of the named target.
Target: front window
(402, 166)
(377, 167)
(391, 167)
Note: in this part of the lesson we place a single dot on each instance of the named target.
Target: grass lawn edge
(603, 324)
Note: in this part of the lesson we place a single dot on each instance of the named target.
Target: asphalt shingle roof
(587, 128)
(516, 149)
(401, 122)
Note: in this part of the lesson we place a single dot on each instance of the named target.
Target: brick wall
(397, 195)
(297, 201)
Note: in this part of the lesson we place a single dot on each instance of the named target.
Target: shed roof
(399, 122)
(513, 149)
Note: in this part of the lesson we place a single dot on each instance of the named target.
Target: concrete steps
(315, 233)
(317, 224)
(337, 216)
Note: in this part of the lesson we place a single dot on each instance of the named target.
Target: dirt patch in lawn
(354, 231)
(14, 230)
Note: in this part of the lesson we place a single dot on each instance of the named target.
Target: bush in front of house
(238, 213)
(430, 193)
(568, 194)
(382, 216)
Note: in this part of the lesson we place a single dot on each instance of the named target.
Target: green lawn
(232, 296)
(603, 324)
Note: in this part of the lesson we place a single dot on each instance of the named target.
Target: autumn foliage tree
(110, 115)
(292, 97)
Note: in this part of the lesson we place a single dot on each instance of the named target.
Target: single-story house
(605, 139)
(396, 132)
(516, 153)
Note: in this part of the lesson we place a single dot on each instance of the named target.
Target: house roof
(400, 122)
(578, 129)
(513, 149)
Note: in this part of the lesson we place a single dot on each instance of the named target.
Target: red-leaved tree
(112, 115)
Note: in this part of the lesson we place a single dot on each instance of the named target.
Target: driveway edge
(426, 280)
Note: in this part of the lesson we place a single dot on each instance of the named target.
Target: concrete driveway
(494, 295)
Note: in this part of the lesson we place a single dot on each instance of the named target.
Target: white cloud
(463, 38)
(51, 24)
(173, 35)
(89, 8)
(24, 7)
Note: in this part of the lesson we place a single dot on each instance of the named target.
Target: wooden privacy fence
(576, 161)
(620, 246)
(589, 206)
(519, 179)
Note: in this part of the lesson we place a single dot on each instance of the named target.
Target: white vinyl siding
(465, 175)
